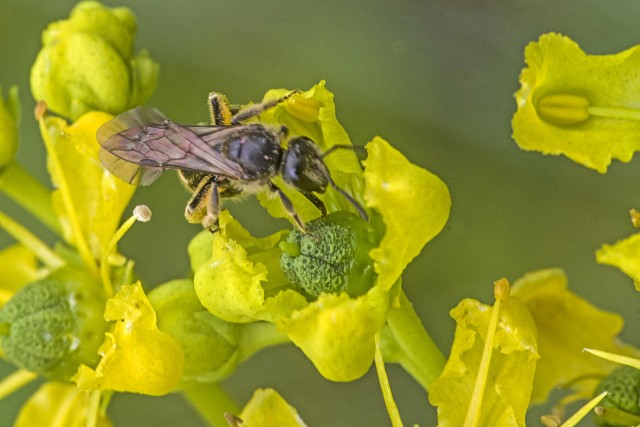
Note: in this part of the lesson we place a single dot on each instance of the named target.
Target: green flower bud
(332, 256)
(621, 405)
(53, 325)
(9, 121)
(209, 344)
(87, 63)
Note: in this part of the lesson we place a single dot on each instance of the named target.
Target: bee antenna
(351, 200)
(341, 147)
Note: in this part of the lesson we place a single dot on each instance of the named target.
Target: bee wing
(141, 143)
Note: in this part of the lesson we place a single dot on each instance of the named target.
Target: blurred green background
(436, 79)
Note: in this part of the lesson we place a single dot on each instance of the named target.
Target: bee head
(303, 168)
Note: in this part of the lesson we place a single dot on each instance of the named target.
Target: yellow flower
(582, 106)
(239, 277)
(488, 377)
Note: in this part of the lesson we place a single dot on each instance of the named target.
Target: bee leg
(210, 220)
(286, 202)
(220, 110)
(316, 201)
(204, 206)
(257, 109)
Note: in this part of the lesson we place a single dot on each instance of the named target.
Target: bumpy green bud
(9, 121)
(332, 256)
(209, 344)
(621, 405)
(87, 63)
(53, 325)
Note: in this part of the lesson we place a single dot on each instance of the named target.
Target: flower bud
(9, 121)
(53, 325)
(87, 63)
(331, 256)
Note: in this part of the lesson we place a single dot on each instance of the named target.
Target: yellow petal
(413, 202)
(267, 408)
(337, 332)
(566, 325)
(96, 199)
(19, 267)
(136, 356)
(625, 255)
(58, 404)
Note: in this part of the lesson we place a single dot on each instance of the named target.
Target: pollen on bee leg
(142, 213)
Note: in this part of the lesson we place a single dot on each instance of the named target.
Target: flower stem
(259, 335)
(28, 192)
(30, 241)
(417, 353)
(392, 409)
(15, 381)
(211, 402)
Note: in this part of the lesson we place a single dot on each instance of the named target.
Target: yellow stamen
(392, 409)
(93, 408)
(615, 358)
(31, 242)
(500, 291)
(584, 411)
(15, 381)
(140, 213)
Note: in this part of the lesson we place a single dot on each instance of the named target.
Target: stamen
(31, 242)
(15, 381)
(140, 213)
(383, 379)
(501, 291)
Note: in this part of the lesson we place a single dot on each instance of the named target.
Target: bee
(217, 161)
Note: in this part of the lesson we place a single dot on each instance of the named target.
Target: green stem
(416, 351)
(259, 335)
(211, 401)
(28, 192)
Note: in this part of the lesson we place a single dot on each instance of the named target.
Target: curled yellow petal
(337, 332)
(136, 356)
(268, 408)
